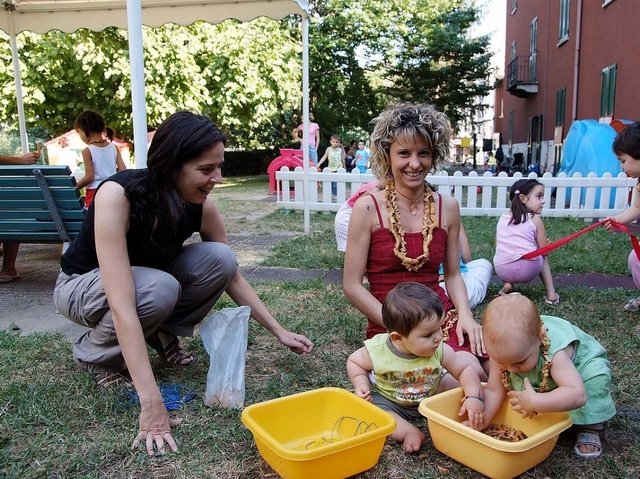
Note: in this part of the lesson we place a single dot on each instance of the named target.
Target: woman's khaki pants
(175, 299)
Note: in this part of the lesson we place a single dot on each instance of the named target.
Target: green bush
(248, 163)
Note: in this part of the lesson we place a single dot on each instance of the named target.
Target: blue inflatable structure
(587, 149)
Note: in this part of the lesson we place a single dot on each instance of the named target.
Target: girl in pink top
(519, 232)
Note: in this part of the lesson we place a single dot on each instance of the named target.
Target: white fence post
(576, 196)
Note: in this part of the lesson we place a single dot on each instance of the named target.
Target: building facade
(565, 60)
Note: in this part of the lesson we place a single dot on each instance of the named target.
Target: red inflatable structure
(290, 158)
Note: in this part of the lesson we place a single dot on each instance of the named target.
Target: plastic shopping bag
(225, 334)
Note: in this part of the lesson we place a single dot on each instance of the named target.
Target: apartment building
(565, 60)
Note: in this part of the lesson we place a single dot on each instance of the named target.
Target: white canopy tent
(41, 16)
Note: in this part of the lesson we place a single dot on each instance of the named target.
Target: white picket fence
(486, 195)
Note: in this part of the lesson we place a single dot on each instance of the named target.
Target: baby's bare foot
(413, 441)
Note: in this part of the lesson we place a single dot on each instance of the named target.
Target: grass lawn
(54, 423)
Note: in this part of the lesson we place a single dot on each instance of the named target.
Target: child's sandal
(588, 437)
(633, 305)
(553, 303)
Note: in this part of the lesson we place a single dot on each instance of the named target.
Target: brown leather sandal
(106, 379)
(172, 353)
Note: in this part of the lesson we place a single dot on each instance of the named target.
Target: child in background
(335, 154)
(361, 158)
(101, 157)
(407, 363)
(546, 364)
(626, 147)
(519, 232)
(314, 137)
(476, 273)
(349, 156)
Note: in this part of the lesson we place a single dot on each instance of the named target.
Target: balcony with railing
(521, 78)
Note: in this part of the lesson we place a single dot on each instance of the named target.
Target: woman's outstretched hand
(155, 430)
(296, 342)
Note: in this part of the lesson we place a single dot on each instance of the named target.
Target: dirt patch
(242, 212)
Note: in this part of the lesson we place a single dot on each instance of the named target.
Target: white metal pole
(576, 64)
(16, 76)
(305, 116)
(138, 103)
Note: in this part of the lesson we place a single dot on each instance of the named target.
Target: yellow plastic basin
(487, 455)
(327, 433)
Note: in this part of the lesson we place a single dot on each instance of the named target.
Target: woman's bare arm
(361, 224)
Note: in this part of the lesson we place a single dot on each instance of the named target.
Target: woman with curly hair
(405, 231)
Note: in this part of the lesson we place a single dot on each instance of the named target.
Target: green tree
(252, 72)
(439, 62)
(367, 53)
(345, 93)
(64, 74)
(245, 76)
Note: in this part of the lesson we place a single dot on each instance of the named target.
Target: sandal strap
(175, 354)
(587, 437)
(172, 353)
(106, 379)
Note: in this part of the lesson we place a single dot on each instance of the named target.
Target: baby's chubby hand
(364, 392)
(522, 401)
(473, 407)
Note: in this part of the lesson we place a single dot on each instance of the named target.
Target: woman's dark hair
(182, 137)
(519, 212)
(89, 122)
(111, 133)
(628, 141)
(407, 305)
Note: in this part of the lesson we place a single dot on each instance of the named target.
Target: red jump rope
(556, 244)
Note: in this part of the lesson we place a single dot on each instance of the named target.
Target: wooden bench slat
(34, 194)
(31, 182)
(34, 237)
(38, 214)
(32, 225)
(26, 170)
(31, 204)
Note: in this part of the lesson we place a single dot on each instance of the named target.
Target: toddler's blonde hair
(510, 318)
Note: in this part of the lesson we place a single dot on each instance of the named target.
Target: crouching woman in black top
(128, 277)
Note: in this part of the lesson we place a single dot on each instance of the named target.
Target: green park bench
(39, 204)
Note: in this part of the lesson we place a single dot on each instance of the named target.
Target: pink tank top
(513, 241)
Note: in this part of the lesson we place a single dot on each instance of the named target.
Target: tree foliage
(64, 74)
(438, 62)
(247, 76)
(342, 91)
(367, 53)
(252, 73)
